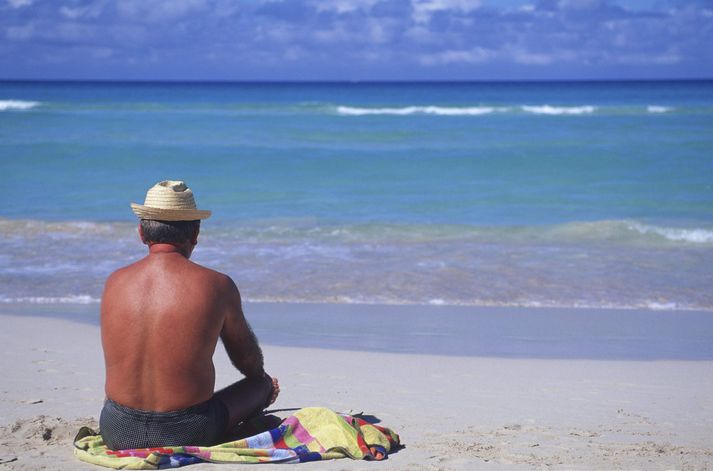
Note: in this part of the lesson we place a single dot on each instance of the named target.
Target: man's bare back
(161, 319)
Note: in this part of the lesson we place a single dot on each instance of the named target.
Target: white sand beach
(452, 412)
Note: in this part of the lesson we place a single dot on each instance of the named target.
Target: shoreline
(491, 332)
(452, 412)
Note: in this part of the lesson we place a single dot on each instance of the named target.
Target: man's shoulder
(123, 272)
(120, 280)
(219, 285)
(215, 277)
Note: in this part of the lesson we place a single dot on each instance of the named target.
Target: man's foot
(274, 392)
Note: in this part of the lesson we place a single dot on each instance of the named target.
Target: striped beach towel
(311, 434)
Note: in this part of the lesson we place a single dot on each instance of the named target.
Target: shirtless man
(161, 318)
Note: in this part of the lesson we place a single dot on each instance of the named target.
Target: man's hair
(169, 232)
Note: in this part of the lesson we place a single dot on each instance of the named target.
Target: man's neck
(166, 248)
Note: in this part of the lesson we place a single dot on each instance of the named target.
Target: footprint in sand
(31, 401)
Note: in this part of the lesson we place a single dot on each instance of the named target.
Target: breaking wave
(558, 110)
(550, 110)
(463, 110)
(696, 236)
(407, 110)
(658, 109)
(8, 105)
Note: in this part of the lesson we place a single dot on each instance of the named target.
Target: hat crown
(169, 200)
(170, 194)
(175, 185)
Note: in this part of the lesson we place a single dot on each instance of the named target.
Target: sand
(480, 411)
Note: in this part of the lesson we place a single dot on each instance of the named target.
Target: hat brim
(160, 214)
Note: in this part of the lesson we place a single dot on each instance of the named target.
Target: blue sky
(356, 39)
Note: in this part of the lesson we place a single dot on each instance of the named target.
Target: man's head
(169, 216)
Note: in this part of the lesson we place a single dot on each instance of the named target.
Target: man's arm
(239, 340)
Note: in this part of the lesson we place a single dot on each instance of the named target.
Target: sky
(356, 39)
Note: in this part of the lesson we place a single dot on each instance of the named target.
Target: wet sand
(466, 388)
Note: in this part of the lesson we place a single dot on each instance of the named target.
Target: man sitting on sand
(161, 318)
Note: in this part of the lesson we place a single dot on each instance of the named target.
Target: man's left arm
(240, 341)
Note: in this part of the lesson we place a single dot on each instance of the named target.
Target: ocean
(566, 194)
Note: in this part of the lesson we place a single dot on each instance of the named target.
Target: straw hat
(169, 200)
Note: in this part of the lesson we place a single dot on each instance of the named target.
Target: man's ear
(194, 240)
(141, 233)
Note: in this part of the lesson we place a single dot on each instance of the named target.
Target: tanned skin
(161, 319)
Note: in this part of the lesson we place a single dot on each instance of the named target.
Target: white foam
(408, 110)
(6, 105)
(358, 300)
(557, 110)
(648, 305)
(696, 236)
(71, 299)
(658, 109)
(659, 306)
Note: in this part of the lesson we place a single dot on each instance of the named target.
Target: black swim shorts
(124, 428)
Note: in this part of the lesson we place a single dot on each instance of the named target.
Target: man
(161, 318)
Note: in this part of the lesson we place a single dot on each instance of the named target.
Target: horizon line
(349, 81)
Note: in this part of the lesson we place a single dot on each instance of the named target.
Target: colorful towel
(311, 434)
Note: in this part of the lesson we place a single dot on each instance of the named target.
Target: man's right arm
(239, 340)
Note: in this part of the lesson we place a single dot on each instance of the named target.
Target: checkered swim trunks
(125, 428)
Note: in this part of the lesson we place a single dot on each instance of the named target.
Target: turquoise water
(568, 194)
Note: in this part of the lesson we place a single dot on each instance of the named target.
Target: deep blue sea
(584, 194)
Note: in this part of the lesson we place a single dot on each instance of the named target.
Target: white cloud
(293, 53)
(579, 4)
(376, 31)
(92, 10)
(663, 58)
(160, 10)
(530, 58)
(378, 55)
(422, 35)
(20, 33)
(424, 9)
(476, 55)
(71, 13)
(225, 8)
(20, 3)
(335, 34)
(523, 56)
(343, 6)
(277, 32)
(380, 31)
(100, 52)
(74, 31)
